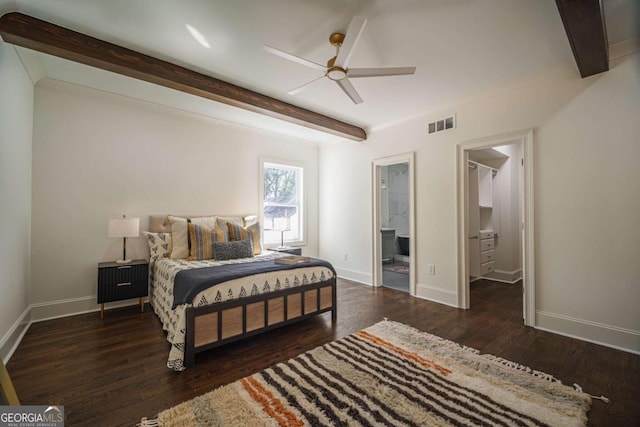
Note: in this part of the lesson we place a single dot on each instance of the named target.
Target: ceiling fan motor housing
(336, 39)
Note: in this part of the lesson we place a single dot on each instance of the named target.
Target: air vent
(447, 123)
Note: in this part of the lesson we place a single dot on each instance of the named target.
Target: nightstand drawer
(124, 273)
(122, 281)
(122, 290)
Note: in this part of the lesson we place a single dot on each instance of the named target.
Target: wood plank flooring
(112, 372)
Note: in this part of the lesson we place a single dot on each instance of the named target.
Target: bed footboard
(214, 325)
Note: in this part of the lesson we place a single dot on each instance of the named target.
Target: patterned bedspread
(174, 320)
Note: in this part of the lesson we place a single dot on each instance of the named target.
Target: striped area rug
(387, 375)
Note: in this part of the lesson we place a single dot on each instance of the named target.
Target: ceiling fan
(337, 67)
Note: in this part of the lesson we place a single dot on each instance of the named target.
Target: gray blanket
(188, 283)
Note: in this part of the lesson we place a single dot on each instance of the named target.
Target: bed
(250, 295)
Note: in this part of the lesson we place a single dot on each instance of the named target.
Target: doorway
(470, 257)
(494, 213)
(393, 222)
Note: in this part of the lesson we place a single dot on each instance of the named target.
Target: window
(282, 203)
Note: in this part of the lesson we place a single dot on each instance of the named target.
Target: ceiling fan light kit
(336, 73)
(337, 67)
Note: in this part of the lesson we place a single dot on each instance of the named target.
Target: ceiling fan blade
(304, 86)
(350, 40)
(379, 72)
(348, 88)
(294, 58)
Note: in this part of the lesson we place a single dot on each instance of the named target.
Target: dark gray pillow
(232, 250)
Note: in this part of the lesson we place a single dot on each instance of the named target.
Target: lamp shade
(282, 223)
(124, 227)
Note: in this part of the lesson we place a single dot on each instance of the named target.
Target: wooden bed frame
(217, 324)
(214, 325)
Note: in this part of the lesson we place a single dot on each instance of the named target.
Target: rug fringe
(523, 368)
(601, 397)
(148, 423)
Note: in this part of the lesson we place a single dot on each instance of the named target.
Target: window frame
(302, 208)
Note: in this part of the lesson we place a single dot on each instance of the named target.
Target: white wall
(97, 156)
(16, 121)
(587, 197)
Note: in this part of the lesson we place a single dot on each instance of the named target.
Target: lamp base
(123, 261)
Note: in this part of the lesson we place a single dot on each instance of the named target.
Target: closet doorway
(393, 222)
(495, 215)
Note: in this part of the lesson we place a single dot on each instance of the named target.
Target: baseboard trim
(510, 277)
(71, 307)
(585, 330)
(14, 335)
(62, 308)
(437, 295)
(43, 311)
(513, 276)
(355, 276)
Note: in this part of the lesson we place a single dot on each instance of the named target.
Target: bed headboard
(159, 223)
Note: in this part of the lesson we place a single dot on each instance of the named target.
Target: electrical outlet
(431, 268)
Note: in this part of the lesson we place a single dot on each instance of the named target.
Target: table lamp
(282, 224)
(124, 227)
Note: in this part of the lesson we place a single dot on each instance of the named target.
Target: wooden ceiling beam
(26, 31)
(584, 23)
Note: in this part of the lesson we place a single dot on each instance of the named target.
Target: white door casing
(524, 137)
(376, 165)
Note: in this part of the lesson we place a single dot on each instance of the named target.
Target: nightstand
(287, 250)
(118, 282)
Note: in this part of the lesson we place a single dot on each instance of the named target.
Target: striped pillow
(180, 233)
(251, 232)
(202, 240)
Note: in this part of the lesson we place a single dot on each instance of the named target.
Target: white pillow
(180, 233)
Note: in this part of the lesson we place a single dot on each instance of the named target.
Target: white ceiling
(461, 48)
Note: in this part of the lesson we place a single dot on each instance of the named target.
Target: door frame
(376, 165)
(525, 137)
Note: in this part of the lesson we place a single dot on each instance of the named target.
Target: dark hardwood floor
(112, 372)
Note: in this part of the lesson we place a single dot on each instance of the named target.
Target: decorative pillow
(159, 246)
(180, 233)
(224, 220)
(251, 232)
(249, 220)
(202, 239)
(232, 250)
